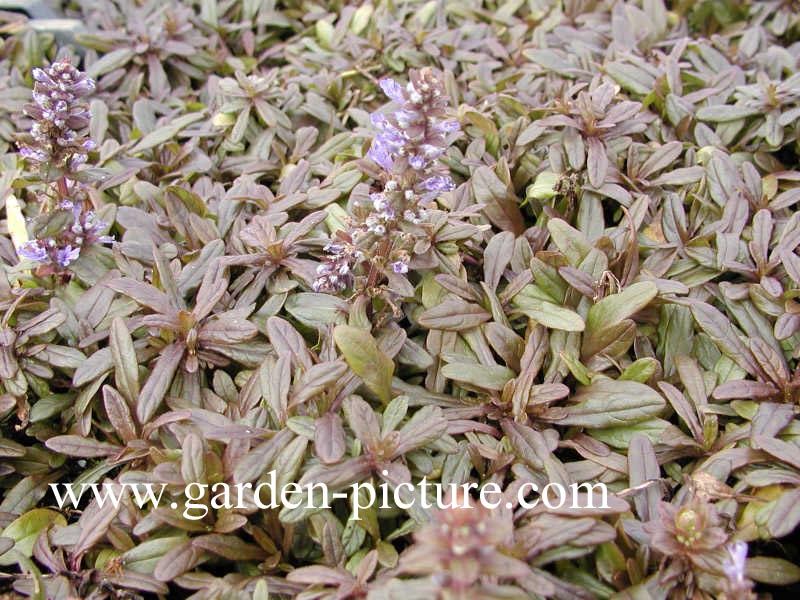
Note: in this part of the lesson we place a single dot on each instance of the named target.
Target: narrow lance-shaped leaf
(96, 520)
(499, 205)
(596, 161)
(178, 560)
(773, 571)
(549, 314)
(79, 446)
(329, 439)
(119, 415)
(193, 468)
(609, 403)
(362, 421)
(454, 314)
(572, 243)
(23, 531)
(228, 546)
(260, 458)
(366, 360)
(719, 328)
(145, 294)
(643, 468)
(126, 366)
(531, 446)
(615, 308)
(496, 257)
(684, 409)
(159, 380)
(427, 425)
(287, 341)
(488, 377)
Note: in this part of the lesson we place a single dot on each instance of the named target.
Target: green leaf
(500, 205)
(453, 314)
(577, 368)
(549, 314)
(162, 135)
(631, 78)
(143, 557)
(615, 308)
(609, 403)
(785, 514)
(24, 530)
(640, 370)
(317, 310)
(572, 243)
(544, 188)
(620, 437)
(394, 413)
(52, 223)
(487, 377)
(126, 366)
(361, 352)
(361, 18)
(773, 571)
(725, 336)
(723, 113)
(110, 61)
(48, 407)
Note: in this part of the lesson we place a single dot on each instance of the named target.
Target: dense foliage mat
(493, 243)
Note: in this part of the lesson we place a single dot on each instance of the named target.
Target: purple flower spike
(32, 154)
(58, 142)
(409, 142)
(416, 131)
(61, 116)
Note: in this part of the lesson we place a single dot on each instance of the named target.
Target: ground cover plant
(499, 243)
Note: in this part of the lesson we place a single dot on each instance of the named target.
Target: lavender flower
(61, 116)
(734, 566)
(35, 250)
(410, 141)
(335, 273)
(737, 586)
(400, 266)
(58, 251)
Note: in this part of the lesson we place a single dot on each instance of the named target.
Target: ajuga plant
(435, 249)
(687, 537)
(57, 145)
(385, 233)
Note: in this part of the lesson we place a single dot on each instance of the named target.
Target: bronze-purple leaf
(159, 380)
(329, 439)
